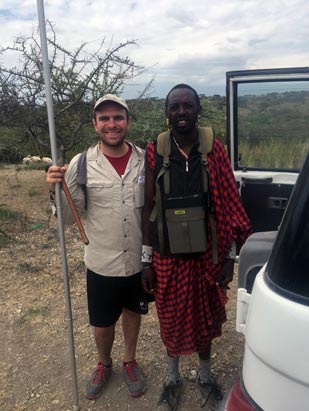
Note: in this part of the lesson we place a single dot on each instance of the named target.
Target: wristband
(146, 254)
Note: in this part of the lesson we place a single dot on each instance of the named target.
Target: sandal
(210, 388)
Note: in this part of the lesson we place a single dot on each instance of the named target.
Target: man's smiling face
(182, 110)
(111, 123)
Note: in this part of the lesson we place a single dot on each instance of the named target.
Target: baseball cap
(110, 97)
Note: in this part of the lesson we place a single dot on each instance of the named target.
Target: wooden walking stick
(74, 212)
(72, 207)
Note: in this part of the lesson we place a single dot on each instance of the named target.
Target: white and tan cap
(112, 98)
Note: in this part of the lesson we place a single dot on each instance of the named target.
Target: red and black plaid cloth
(188, 303)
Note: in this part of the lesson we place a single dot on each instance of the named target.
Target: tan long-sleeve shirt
(113, 215)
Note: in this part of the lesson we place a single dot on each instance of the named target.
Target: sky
(194, 42)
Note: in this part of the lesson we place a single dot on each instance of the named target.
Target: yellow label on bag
(180, 212)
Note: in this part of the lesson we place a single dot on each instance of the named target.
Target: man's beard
(116, 144)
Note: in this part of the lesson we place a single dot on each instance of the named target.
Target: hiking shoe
(210, 388)
(134, 379)
(170, 396)
(97, 381)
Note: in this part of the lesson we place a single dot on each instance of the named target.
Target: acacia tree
(78, 78)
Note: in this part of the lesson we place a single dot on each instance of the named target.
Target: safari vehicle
(268, 138)
(273, 305)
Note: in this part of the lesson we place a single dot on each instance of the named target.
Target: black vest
(182, 183)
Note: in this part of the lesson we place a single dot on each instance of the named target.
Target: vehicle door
(268, 138)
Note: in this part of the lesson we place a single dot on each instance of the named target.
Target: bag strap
(206, 140)
(163, 150)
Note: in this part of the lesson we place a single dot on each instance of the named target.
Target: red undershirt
(120, 163)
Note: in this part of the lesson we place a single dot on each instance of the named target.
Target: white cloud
(196, 42)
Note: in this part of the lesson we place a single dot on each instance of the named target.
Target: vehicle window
(287, 269)
(273, 124)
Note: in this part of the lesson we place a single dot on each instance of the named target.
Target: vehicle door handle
(277, 202)
(243, 302)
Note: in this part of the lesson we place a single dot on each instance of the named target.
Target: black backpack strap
(206, 140)
(81, 177)
(163, 149)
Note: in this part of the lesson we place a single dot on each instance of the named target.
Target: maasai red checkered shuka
(188, 303)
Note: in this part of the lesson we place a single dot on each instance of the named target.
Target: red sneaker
(134, 379)
(97, 381)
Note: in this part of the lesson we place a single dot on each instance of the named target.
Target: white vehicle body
(273, 275)
(276, 349)
(274, 317)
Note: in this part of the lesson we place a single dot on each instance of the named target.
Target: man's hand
(148, 280)
(55, 174)
(226, 273)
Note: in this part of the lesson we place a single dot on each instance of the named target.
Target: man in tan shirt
(115, 195)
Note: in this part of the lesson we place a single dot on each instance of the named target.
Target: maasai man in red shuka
(190, 290)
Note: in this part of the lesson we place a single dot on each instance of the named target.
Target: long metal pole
(53, 144)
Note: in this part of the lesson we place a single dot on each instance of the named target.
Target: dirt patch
(35, 372)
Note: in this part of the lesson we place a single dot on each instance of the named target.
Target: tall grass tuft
(273, 153)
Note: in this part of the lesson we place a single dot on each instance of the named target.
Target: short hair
(186, 86)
